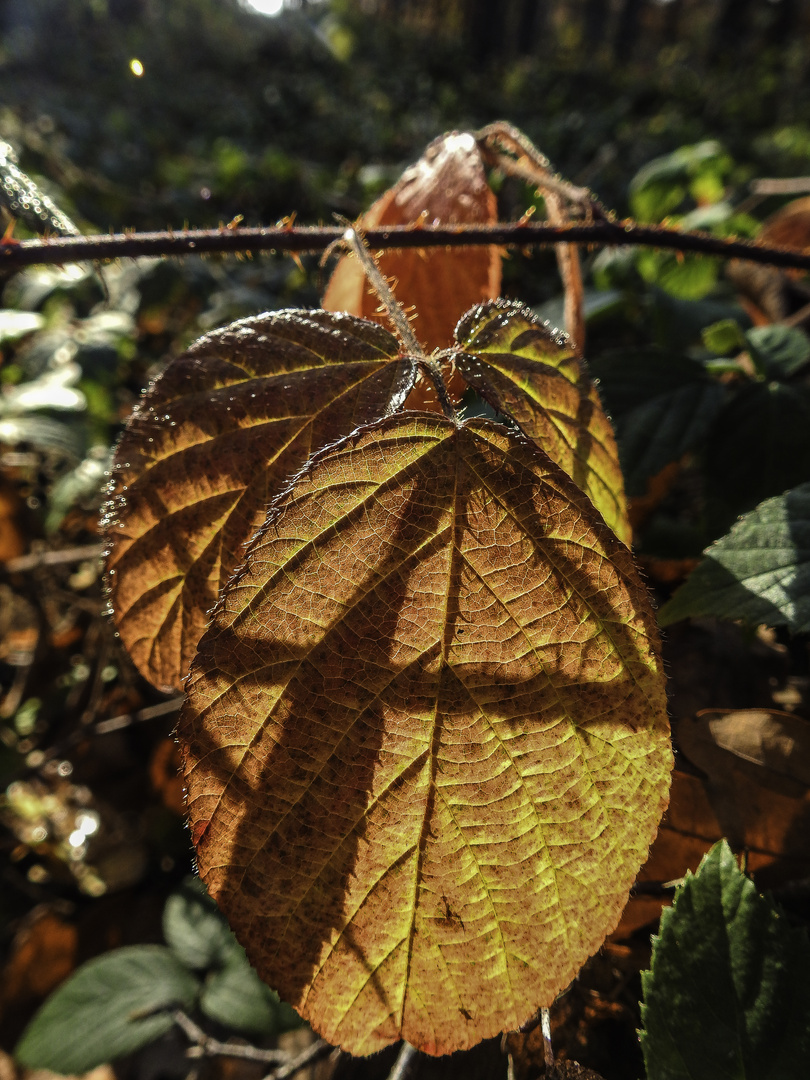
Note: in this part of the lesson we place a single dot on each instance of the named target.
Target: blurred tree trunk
(531, 26)
(785, 23)
(732, 27)
(628, 29)
(485, 28)
(596, 20)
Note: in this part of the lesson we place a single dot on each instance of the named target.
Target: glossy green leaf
(111, 1006)
(728, 995)
(759, 572)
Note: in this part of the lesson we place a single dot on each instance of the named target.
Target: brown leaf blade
(532, 374)
(425, 739)
(212, 442)
(446, 186)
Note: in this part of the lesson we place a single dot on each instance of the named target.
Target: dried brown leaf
(447, 186)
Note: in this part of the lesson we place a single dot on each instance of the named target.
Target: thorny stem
(434, 372)
(521, 234)
(510, 150)
(383, 291)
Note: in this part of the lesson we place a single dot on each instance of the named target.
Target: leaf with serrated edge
(760, 571)
(425, 739)
(729, 993)
(213, 441)
(532, 373)
(447, 186)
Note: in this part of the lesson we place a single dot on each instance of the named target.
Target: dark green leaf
(759, 572)
(111, 1006)
(194, 928)
(236, 997)
(729, 994)
(780, 350)
(662, 405)
(759, 447)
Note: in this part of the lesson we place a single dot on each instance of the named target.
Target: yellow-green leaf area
(425, 739)
(213, 441)
(533, 374)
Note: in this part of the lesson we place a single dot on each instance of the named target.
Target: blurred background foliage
(143, 114)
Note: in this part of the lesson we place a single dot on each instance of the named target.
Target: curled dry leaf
(425, 737)
(777, 742)
(211, 443)
(532, 373)
(447, 186)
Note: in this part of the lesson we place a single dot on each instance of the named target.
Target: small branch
(125, 720)
(60, 250)
(548, 1049)
(313, 1053)
(22, 563)
(403, 1066)
(793, 185)
(206, 1046)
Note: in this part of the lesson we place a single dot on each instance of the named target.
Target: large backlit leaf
(533, 374)
(210, 445)
(760, 571)
(729, 992)
(425, 738)
(446, 186)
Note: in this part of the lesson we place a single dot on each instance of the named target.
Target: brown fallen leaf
(777, 742)
(42, 955)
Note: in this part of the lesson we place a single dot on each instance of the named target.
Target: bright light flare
(265, 7)
(136, 67)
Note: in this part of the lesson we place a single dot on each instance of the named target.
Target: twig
(548, 1049)
(313, 1053)
(116, 723)
(792, 185)
(22, 563)
(523, 234)
(403, 1066)
(206, 1046)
